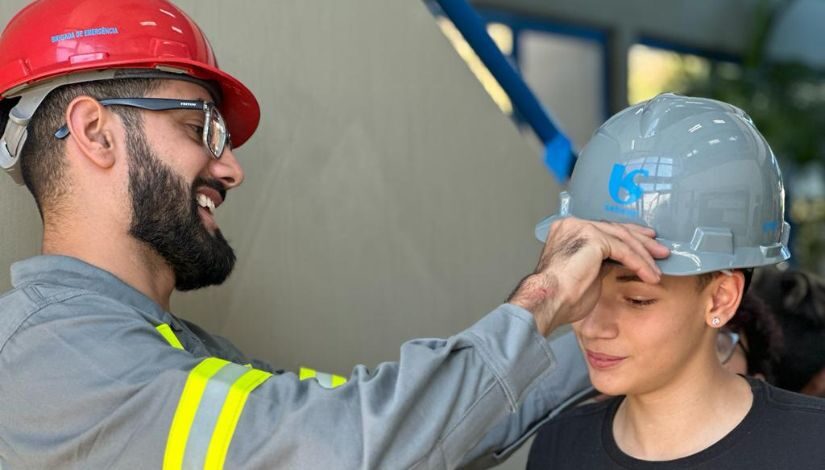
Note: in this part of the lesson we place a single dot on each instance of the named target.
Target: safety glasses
(726, 342)
(215, 135)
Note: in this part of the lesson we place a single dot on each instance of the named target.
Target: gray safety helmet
(697, 171)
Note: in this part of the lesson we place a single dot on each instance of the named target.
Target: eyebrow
(628, 278)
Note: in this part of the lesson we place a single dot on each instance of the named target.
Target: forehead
(620, 275)
(182, 90)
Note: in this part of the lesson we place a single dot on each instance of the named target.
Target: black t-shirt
(783, 430)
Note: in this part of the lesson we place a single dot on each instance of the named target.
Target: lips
(603, 361)
(211, 194)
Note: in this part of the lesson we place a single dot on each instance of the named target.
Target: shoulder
(788, 401)
(46, 326)
(790, 418)
(35, 305)
(23, 307)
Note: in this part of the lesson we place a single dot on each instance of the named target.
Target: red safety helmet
(51, 43)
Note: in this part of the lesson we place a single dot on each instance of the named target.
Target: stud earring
(716, 322)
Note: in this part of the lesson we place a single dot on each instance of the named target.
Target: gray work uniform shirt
(87, 381)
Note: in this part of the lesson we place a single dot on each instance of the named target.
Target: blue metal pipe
(558, 155)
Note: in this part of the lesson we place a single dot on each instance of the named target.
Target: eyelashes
(640, 302)
(198, 130)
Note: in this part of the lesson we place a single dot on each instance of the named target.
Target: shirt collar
(74, 273)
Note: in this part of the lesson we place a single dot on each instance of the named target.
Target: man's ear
(90, 131)
(726, 293)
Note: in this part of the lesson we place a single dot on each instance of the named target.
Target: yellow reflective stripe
(305, 373)
(337, 381)
(230, 414)
(166, 331)
(325, 380)
(187, 407)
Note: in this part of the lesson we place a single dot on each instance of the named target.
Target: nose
(227, 169)
(600, 323)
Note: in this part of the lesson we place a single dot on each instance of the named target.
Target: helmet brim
(683, 261)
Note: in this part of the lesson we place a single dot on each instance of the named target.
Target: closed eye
(640, 302)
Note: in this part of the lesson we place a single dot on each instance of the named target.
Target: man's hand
(566, 283)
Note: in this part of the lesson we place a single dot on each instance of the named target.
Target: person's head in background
(751, 341)
(797, 299)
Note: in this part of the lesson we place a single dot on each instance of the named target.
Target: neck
(121, 255)
(686, 416)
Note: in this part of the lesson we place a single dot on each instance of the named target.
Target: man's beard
(165, 217)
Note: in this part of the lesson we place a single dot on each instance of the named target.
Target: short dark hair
(42, 162)
(702, 280)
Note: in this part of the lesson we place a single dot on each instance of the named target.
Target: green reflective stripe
(325, 380)
(166, 331)
(209, 409)
(187, 408)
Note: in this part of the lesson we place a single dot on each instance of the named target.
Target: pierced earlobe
(716, 322)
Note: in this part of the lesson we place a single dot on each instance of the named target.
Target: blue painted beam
(558, 155)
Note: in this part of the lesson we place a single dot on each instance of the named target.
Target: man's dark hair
(42, 161)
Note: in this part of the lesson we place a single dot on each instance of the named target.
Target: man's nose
(227, 169)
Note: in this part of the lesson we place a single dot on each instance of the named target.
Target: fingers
(646, 231)
(646, 235)
(634, 247)
(640, 262)
(633, 239)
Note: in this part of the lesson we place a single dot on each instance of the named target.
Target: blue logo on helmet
(619, 180)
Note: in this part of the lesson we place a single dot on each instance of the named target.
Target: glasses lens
(215, 132)
(725, 344)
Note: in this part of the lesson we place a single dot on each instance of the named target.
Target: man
(121, 133)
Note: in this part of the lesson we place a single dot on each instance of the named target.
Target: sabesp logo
(619, 180)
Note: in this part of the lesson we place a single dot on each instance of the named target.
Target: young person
(699, 172)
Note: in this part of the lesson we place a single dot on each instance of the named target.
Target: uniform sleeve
(566, 386)
(116, 395)
(477, 391)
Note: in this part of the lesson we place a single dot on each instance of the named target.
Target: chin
(610, 384)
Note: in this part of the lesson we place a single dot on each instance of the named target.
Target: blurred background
(402, 163)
